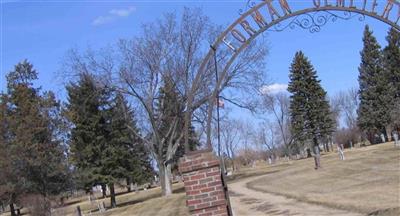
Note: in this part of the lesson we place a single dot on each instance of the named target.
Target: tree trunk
(370, 137)
(389, 133)
(12, 209)
(233, 161)
(186, 131)
(164, 176)
(167, 180)
(317, 154)
(161, 176)
(78, 211)
(104, 190)
(128, 183)
(112, 196)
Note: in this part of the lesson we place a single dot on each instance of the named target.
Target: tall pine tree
(125, 156)
(105, 146)
(86, 110)
(375, 90)
(37, 160)
(391, 63)
(309, 108)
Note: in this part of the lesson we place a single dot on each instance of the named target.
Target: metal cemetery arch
(270, 15)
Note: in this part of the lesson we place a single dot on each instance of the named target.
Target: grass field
(368, 182)
(146, 203)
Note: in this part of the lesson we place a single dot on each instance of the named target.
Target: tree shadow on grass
(157, 195)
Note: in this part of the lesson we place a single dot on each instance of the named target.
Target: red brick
(201, 196)
(209, 199)
(206, 214)
(219, 202)
(203, 205)
(206, 180)
(192, 192)
(217, 193)
(214, 173)
(193, 202)
(197, 187)
(214, 183)
(219, 187)
(197, 177)
(205, 190)
(190, 183)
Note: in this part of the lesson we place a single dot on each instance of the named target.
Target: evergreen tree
(391, 62)
(105, 146)
(375, 97)
(125, 156)
(36, 155)
(86, 111)
(8, 179)
(309, 108)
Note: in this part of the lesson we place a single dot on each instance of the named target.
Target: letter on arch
(246, 26)
(351, 4)
(238, 36)
(285, 7)
(317, 3)
(374, 4)
(229, 44)
(364, 4)
(388, 8)
(339, 3)
(272, 11)
(327, 3)
(259, 19)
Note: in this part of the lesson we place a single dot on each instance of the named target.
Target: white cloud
(113, 15)
(274, 88)
(101, 20)
(122, 12)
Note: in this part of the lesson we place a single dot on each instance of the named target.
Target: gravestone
(396, 138)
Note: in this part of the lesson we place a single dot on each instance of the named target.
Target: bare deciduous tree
(173, 50)
(268, 136)
(278, 105)
(344, 106)
(230, 138)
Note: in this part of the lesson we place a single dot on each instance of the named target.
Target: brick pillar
(205, 193)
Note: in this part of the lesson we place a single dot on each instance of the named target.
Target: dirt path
(250, 202)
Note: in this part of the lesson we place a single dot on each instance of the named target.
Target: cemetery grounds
(366, 183)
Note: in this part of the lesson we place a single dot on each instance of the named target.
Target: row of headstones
(101, 205)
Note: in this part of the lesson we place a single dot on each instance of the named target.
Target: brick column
(205, 193)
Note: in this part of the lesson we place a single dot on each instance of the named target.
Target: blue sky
(42, 32)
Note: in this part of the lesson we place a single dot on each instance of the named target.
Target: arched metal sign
(270, 15)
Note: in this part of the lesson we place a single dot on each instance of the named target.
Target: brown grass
(143, 203)
(368, 181)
